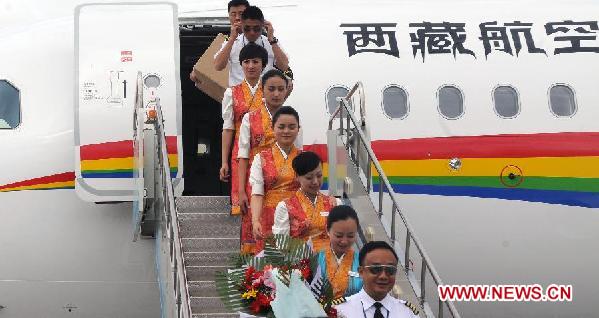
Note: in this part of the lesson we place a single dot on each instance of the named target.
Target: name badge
(353, 274)
(324, 213)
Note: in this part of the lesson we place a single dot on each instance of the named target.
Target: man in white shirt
(252, 23)
(235, 8)
(378, 266)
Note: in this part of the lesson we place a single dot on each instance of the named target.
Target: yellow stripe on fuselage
(108, 164)
(576, 167)
(53, 185)
(119, 163)
(173, 160)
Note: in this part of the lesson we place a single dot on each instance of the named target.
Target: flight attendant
(304, 215)
(256, 134)
(237, 101)
(338, 262)
(271, 175)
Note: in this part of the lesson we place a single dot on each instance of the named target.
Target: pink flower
(268, 279)
(258, 281)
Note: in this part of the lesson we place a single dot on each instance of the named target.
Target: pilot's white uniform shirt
(235, 71)
(361, 305)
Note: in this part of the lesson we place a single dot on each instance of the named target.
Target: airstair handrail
(358, 87)
(148, 120)
(138, 154)
(344, 108)
(169, 217)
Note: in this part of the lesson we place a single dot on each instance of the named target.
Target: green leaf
(280, 251)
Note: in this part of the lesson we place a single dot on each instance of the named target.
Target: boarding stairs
(210, 236)
(356, 175)
(195, 236)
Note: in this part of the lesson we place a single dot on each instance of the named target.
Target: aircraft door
(202, 124)
(113, 42)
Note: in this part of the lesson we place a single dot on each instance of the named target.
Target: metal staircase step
(207, 258)
(202, 289)
(210, 237)
(213, 244)
(211, 305)
(209, 225)
(203, 273)
(203, 204)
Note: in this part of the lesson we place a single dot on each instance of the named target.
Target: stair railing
(178, 291)
(351, 132)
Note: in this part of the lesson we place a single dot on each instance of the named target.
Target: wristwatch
(273, 41)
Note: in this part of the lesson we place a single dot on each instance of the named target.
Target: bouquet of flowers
(258, 289)
(277, 282)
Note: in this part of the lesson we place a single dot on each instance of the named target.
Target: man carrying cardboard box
(252, 23)
(235, 8)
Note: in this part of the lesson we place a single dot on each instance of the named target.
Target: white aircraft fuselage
(495, 198)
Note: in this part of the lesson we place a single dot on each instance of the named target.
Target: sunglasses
(377, 269)
(255, 28)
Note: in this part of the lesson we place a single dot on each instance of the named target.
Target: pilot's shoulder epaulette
(338, 301)
(412, 307)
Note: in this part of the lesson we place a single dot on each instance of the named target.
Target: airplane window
(562, 101)
(506, 101)
(331, 98)
(10, 106)
(395, 102)
(152, 81)
(451, 102)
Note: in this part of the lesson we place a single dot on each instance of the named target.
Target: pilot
(252, 24)
(378, 266)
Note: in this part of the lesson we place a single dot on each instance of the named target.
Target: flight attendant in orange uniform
(304, 215)
(256, 134)
(271, 175)
(237, 101)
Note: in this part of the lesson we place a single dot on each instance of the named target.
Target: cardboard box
(210, 81)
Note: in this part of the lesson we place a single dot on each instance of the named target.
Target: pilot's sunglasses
(255, 28)
(377, 269)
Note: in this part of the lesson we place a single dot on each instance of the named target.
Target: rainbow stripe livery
(54, 182)
(555, 168)
(115, 159)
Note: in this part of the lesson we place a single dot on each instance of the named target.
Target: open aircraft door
(113, 42)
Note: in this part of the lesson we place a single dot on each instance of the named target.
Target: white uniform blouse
(281, 225)
(228, 120)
